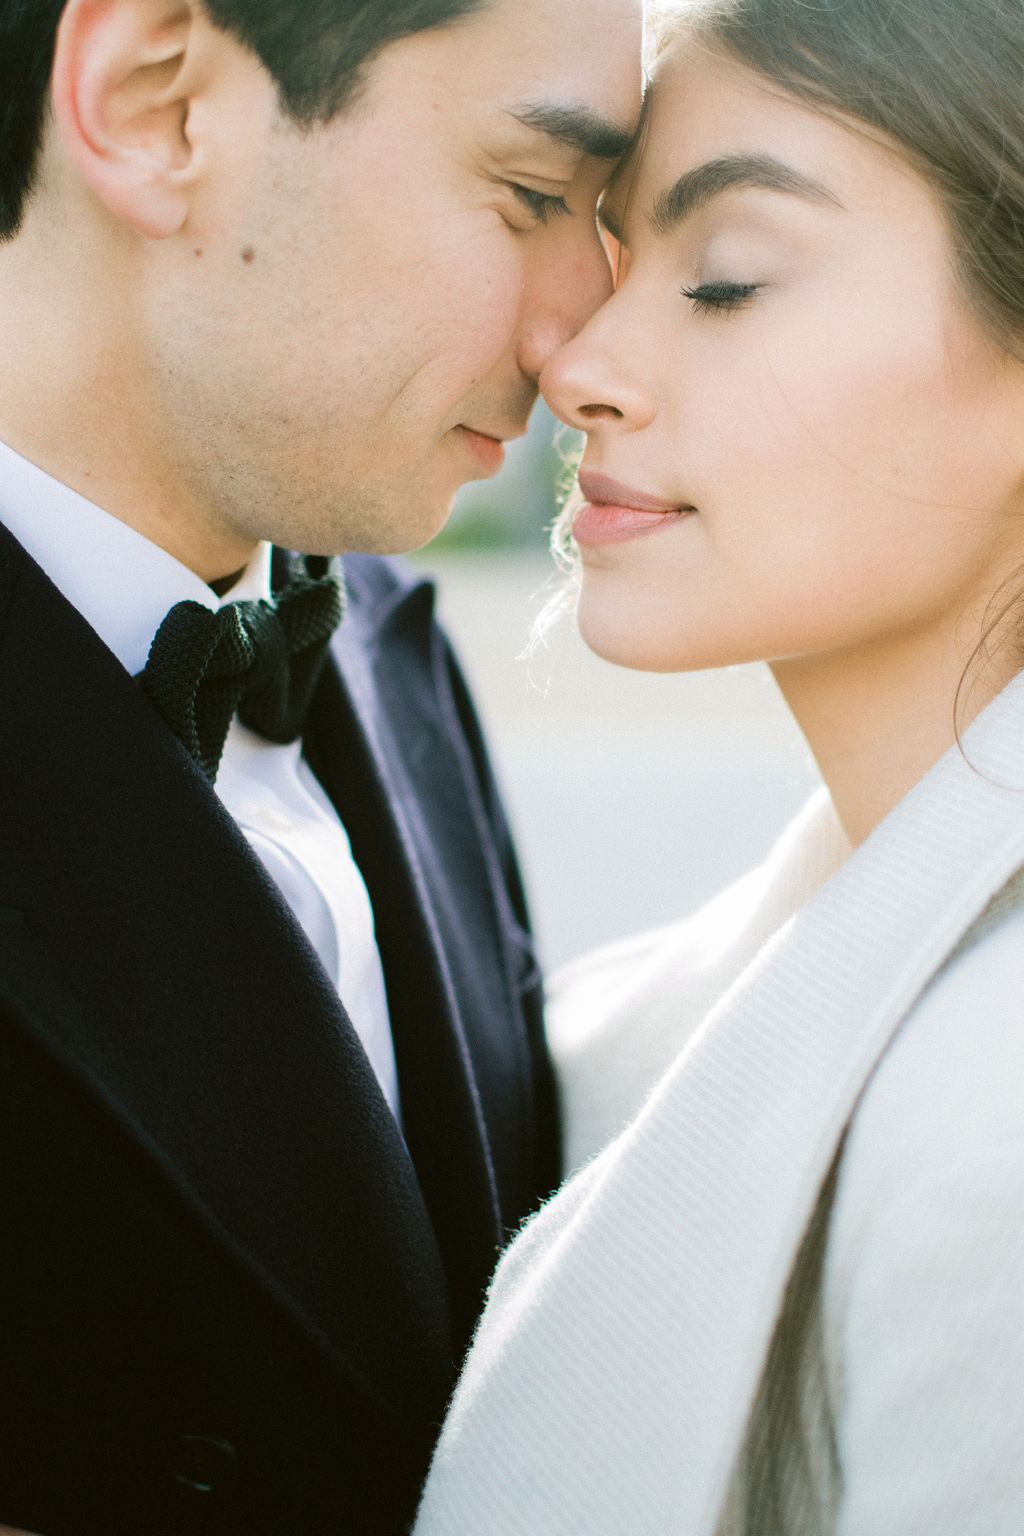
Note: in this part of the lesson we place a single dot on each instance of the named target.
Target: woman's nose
(588, 383)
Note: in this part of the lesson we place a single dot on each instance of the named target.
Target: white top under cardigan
(642, 1368)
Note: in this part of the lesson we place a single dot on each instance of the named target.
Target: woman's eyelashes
(720, 298)
(542, 205)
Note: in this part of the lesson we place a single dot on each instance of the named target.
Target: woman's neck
(877, 720)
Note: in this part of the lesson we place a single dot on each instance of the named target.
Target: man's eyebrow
(577, 128)
(696, 188)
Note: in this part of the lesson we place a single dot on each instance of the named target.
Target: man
(273, 1091)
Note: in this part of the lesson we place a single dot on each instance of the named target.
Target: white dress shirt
(124, 585)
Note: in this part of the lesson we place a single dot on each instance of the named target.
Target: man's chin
(401, 535)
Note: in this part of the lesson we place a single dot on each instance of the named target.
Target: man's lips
(614, 512)
(487, 446)
(488, 449)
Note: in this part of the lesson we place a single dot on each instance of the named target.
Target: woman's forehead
(704, 109)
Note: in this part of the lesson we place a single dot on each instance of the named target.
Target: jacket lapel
(377, 744)
(664, 1263)
(195, 1005)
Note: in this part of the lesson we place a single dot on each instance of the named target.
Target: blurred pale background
(634, 796)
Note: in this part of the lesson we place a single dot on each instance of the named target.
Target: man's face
(354, 317)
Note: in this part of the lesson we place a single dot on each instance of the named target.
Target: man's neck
(75, 400)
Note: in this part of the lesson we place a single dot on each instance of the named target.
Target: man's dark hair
(314, 49)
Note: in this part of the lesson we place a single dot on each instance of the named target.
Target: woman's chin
(630, 629)
(625, 643)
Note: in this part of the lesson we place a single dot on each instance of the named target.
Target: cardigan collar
(663, 1264)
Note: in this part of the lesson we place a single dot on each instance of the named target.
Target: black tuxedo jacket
(232, 1298)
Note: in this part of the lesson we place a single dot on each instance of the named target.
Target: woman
(789, 1297)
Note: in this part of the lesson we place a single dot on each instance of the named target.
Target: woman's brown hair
(943, 79)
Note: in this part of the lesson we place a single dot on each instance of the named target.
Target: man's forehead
(570, 69)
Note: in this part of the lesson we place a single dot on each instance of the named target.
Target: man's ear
(122, 82)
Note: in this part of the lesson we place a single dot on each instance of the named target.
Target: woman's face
(788, 360)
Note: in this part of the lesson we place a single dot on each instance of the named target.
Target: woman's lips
(614, 512)
(597, 522)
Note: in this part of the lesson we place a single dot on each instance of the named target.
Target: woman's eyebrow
(697, 187)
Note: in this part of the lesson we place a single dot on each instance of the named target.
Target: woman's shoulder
(617, 1018)
(952, 1082)
(924, 1271)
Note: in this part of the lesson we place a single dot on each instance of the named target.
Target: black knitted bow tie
(259, 659)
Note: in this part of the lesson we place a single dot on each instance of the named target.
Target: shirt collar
(121, 582)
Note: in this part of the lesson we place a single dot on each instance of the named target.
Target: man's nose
(566, 291)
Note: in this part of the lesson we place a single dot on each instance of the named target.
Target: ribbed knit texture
(611, 1384)
(788, 1480)
(617, 1019)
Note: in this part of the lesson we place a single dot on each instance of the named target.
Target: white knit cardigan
(789, 1298)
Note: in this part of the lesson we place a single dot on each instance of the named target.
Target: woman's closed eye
(720, 298)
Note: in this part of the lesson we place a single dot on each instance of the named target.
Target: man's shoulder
(381, 581)
(387, 602)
